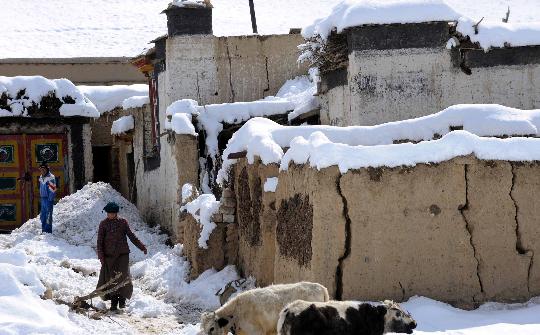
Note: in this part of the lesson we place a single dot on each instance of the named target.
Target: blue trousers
(45, 215)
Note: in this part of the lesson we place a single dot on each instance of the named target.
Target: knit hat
(44, 165)
(111, 207)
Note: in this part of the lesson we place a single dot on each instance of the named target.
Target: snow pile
(66, 263)
(202, 208)
(122, 125)
(350, 13)
(135, 101)
(107, 98)
(435, 317)
(266, 139)
(189, 3)
(497, 34)
(22, 311)
(270, 184)
(18, 94)
(319, 152)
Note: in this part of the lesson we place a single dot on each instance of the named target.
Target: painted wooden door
(20, 157)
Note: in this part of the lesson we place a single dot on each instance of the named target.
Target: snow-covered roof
(107, 98)
(103, 28)
(24, 95)
(266, 139)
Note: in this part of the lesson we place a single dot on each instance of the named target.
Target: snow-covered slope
(105, 28)
(66, 263)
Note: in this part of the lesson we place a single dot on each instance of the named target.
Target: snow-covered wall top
(19, 96)
(104, 28)
(189, 3)
(294, 98)
(122, 125)
(350, 13)
(492, 32)
(135, 101)
(107, 98)
(319, 152)
(499, 34)
(266, 139)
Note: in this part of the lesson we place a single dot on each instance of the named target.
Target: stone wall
(390, 80)
(462, 231)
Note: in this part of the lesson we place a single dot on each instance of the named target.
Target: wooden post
(253, 19)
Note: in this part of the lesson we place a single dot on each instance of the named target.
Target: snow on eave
(107, 98)
(266, 139)
(19, 95)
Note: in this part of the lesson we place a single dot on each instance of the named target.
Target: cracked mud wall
(526, 193)
(408, 236)
(491, 215)
(463, 231)
(325, 234)
(256, 219)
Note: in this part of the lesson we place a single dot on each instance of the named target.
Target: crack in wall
(519, 244)
(233, 95)
(462, 209)
(267, 75)
(402, 291)
(347, 251)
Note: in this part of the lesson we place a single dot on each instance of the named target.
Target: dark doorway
(102, 163)
(132, 186)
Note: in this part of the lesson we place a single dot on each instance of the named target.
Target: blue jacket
(47, 186)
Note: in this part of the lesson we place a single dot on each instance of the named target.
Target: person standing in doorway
(113, 253)
(47, 192)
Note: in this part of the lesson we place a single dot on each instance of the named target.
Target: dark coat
(112, 238)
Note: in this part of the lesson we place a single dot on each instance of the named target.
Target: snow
(188, 3)
(135, 101)
(24, 91)
(301, 92)
(180, 113)
(266, 139)
(319, 152)
(107, 98)
(435, 317)
(497, 34)
(66, 263)
(202, 208)
(122, 125)
(350, 13)
(104, 28)
(270, 184)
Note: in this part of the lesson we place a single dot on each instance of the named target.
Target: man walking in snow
(47, 192)
(113, 253)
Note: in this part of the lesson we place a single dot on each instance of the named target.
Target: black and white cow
(343, 318)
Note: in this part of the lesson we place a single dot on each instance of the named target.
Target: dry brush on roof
(327, 55)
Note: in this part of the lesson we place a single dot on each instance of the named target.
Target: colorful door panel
(20, 157)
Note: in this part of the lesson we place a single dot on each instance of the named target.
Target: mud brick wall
(463, 231)
(256, 221)
(222, 243)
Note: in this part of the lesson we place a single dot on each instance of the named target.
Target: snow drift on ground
(122, 125)
(107, 98)
(350, 13)
(266, 139)
(104, 28)
(24, 91)
(66, 263)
